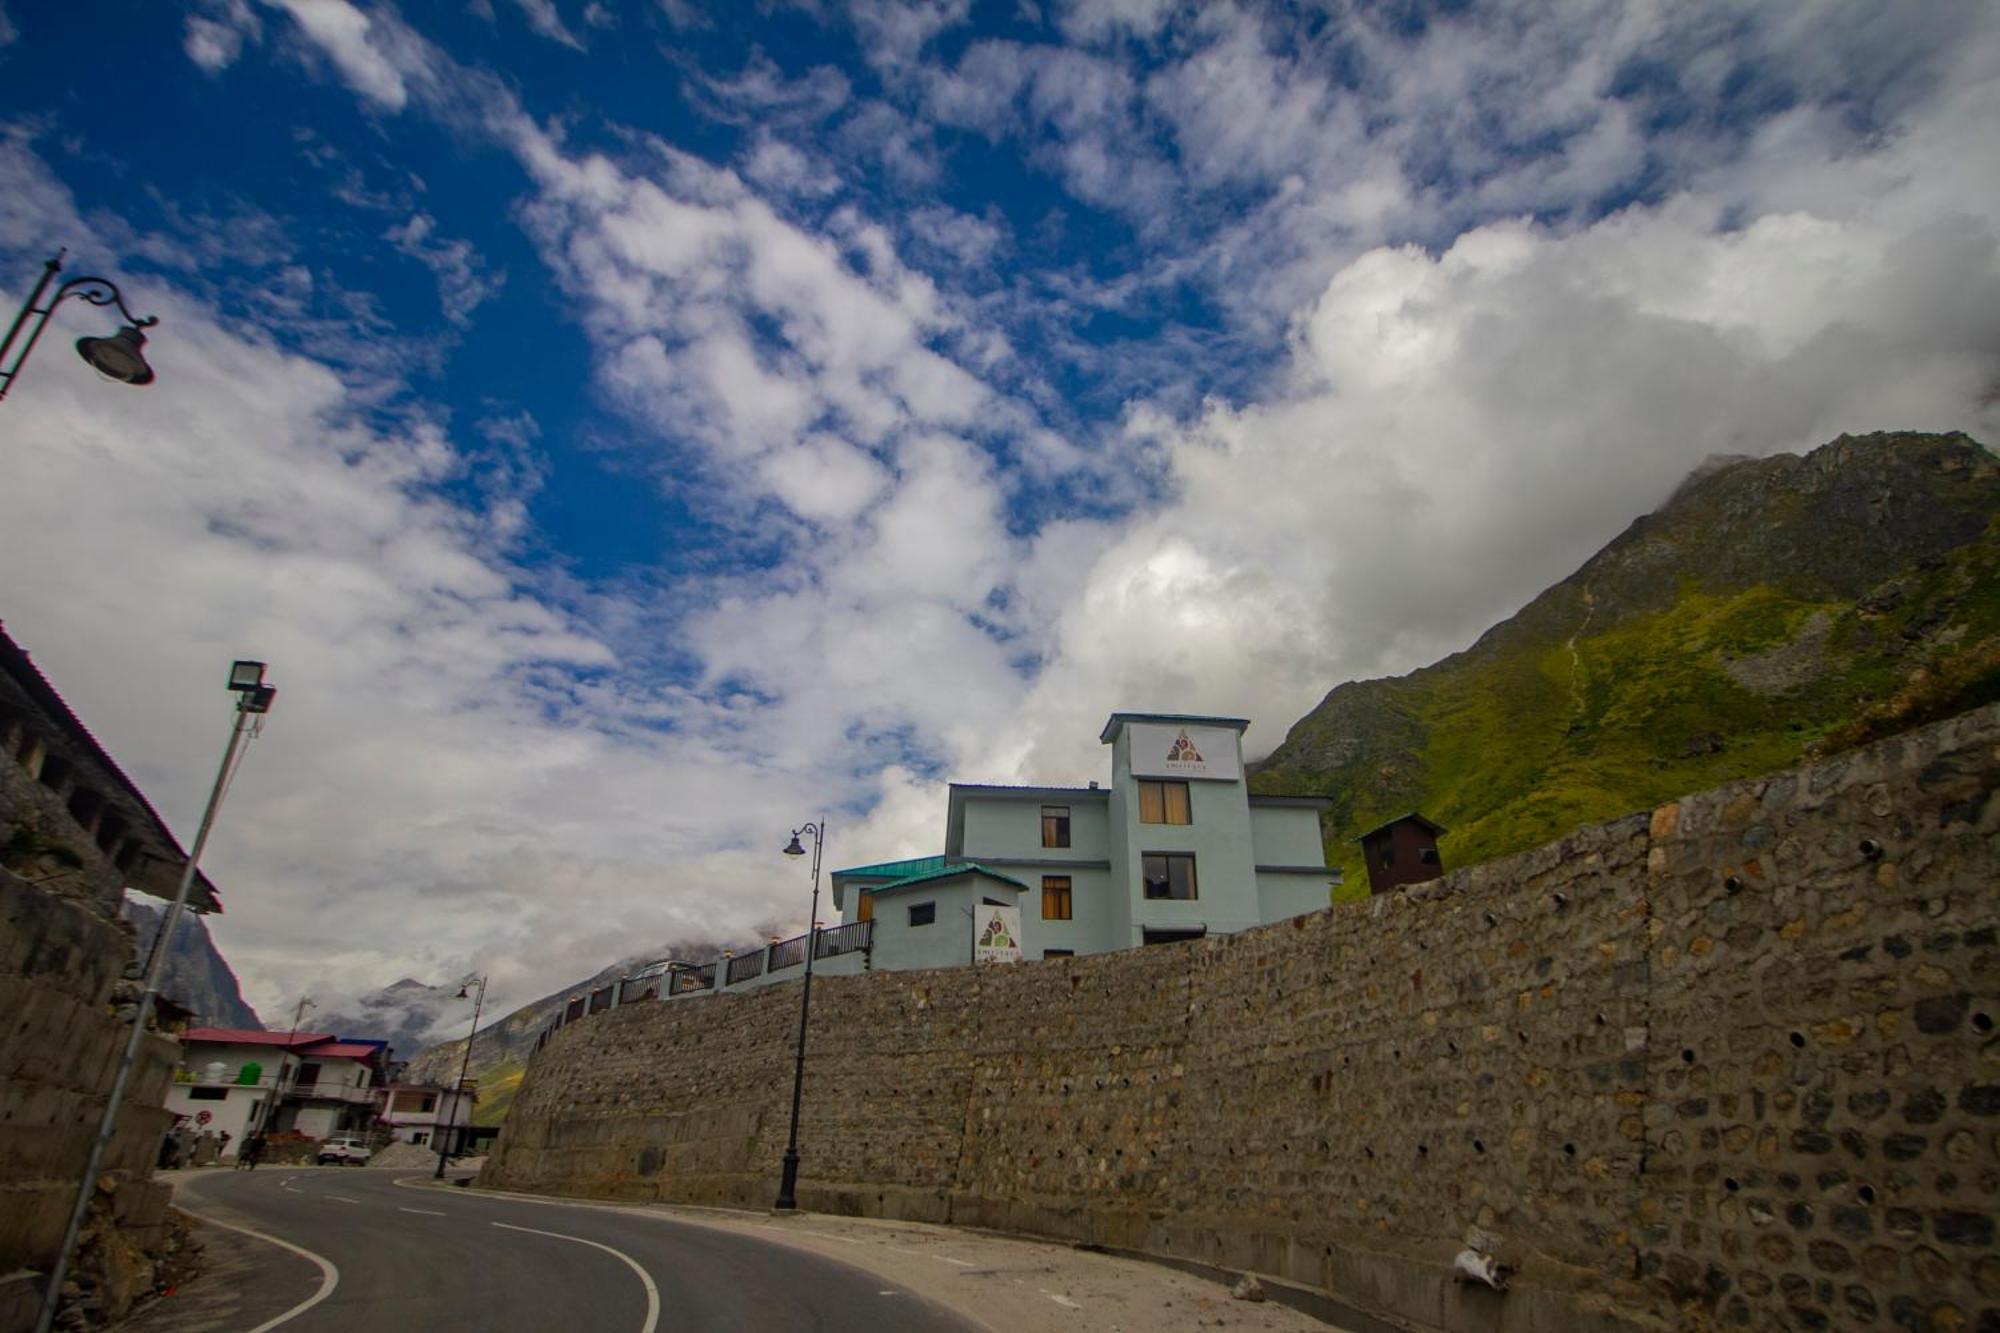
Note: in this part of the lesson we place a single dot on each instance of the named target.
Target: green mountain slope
(1772, 607)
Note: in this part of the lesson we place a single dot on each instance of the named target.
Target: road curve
(394, 1259)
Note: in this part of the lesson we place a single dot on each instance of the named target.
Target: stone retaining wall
(1731, 1063)
(59, 1049)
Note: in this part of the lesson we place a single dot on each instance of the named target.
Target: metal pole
(789, 1180)
(278, 1079)
(108, 1125)
(49, 271)
(464, 1065)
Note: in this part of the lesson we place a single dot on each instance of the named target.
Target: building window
(1164, 803)
(1169, 875)
(864, 905)
(1055, 826)
(308, 1076)
(1058, 953)
(1428, 855)
(208, 1094)
(922, 914)
(1055, 898)
(428, 1104)
(420, 1137)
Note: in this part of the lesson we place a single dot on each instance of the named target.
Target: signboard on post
(1171, 750)
(996, 934)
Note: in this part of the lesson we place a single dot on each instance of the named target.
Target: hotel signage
(996, 934)
(1169, 750)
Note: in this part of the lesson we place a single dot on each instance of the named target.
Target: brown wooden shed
(1402, 851)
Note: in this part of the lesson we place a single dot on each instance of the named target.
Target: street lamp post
(253, 701)
(788, 1182)
(120, 357)
(465, 1065)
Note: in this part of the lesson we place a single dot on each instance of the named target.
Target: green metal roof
(943, 871)
(894, 869)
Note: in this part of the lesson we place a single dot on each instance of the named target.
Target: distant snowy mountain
(197, 977)
(403, 1014)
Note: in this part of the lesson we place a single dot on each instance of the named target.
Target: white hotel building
(1175, 848)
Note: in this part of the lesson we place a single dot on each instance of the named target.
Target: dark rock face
(1772, 608)
(197, 977)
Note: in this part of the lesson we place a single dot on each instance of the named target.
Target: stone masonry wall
(1729, 1064)
(59, 1049)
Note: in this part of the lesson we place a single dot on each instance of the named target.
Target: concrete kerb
(1308, 1301)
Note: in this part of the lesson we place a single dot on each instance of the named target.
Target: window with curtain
(1055, 898)
(1164, 803)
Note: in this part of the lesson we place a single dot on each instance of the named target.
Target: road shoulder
(1006, 1283)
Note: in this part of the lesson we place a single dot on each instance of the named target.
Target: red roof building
(246, 1081)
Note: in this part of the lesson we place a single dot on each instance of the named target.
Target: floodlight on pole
(246, 725)
(121, 356)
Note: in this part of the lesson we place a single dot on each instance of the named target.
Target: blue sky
(631, 428)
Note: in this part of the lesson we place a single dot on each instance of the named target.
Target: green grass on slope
(1520, 747)
(1655, 714)
(498, 1087)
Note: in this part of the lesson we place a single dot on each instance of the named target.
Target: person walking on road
(250, 1152)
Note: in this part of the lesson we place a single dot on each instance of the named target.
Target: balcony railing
(845, 939)
(742, 969)
(331, 1092)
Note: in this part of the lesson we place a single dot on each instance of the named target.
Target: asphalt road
(347, 1250)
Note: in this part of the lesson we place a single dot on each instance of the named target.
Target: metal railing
(671, 977)
(691, 979)
(845, 939)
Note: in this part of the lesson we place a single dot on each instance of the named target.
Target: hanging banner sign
(1168, 750)
(996, 934)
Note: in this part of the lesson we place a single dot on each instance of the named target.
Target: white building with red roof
(238, 1082)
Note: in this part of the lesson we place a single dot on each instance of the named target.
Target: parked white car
(345, 1151)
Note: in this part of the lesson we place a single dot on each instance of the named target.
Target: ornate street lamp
(253, 700)
(458, 1095)
(120, 357)
(788, 1182)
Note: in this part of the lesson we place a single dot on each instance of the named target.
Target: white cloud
(216, 34)
(546, 19)
(1087, 21)
(362, 48)
(463, 281)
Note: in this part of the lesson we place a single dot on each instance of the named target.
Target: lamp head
(245, 675)
(793, 848)
(120, 357)
(258, 699)
(464, 993)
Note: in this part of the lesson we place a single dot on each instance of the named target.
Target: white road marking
(920, 1254)
(652, 1292)
(1063, 1301)
(342, 1197)
(328, 1280)
(425, 1211)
